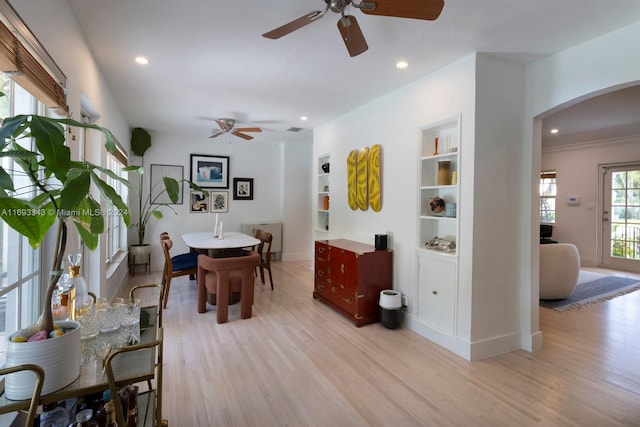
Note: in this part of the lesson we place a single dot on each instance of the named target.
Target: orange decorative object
(325, 203)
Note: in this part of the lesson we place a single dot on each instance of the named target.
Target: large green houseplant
(148, 204)
(62, 187)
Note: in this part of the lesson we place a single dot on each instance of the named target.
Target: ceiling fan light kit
(348, 25)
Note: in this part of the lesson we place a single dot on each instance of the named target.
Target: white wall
(296, 228)
(577, 171)
(495, 325)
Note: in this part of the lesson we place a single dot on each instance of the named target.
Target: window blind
(547, 174)
(18, 61)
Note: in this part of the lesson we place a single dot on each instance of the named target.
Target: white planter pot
(139, 255)
(140, 252)
(59, 358)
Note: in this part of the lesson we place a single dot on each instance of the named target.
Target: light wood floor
(297, 362)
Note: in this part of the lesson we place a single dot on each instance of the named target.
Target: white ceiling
(208, 59)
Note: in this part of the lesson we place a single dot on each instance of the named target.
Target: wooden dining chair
(264, 249)
(175, 266)
(222, 276)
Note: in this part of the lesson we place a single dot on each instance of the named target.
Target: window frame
(22, 284)
(548, 210)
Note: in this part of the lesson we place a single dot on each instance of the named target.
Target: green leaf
(23, 154)
(138, 169)
(90, 240)
(89, 215)
(156, 214)
(172, 187)
(6, 183)
(75, 189)
(115, 176)
(195, 186)
(50, 139)
(11, 125)
(140, 141)
(110, 194)
(109, 144)
(26, 219)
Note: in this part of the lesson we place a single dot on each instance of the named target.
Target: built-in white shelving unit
(439, 172)
(323, 193)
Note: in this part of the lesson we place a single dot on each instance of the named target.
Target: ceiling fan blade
(249, 129)
(352, 35)
(216, 133)
(294, 25)
(241, 135)
(416, 9)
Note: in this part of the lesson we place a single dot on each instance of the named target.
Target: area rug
(593, 292)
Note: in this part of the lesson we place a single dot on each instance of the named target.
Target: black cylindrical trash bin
(391, 308)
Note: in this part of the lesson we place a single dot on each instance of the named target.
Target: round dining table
(229, 244)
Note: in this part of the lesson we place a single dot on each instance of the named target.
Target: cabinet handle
(320, 273)
(320, 259)
(435, 292)
(329, 281)
(321, 249)
(342, 268)
(347, 300)
(333, 289)
(321, 287)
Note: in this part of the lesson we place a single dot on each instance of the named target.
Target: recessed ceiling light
(554, 131)
(141, 60)
(402, 64)
(303, 118)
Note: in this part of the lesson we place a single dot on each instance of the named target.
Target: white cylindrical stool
(391, 308)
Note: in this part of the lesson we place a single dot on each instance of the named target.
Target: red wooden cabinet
(349, 277)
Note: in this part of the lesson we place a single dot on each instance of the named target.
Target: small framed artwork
(219, 201)
(199, 202)
(210, 171)
(242, 188)
(158, 193)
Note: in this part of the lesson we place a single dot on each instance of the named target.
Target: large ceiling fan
(348, 25)
(228, 126)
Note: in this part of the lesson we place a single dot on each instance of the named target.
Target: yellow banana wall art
(351, 179)
(374, 187)
(364, 186)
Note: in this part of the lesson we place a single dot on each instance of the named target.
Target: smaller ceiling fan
(348, 25)
(228, 126)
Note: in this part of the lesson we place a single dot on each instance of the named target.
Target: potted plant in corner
(63, 196)
(148, 205)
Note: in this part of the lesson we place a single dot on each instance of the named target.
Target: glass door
(621, 217)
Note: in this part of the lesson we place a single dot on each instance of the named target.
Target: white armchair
(559, 270)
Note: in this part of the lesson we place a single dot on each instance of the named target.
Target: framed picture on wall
(158, 194)
(219, 201)
(199, 202)
(210, 171)
(242, 188)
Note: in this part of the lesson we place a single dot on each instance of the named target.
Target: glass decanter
(82, 299)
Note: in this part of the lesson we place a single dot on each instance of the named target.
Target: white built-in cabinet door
(437, 290)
